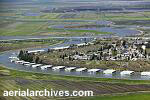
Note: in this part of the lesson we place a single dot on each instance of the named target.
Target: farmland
(14, 45)
(19, 21)
(14, 80)
(64, 23)
(136, 96)
(40, 28)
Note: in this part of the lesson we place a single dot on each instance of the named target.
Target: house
(69, 69)
(30, 64)
(25, 63)
(58, 68)
(109, 71)
(61, 48)
(36, 51)
(81, 69)
(46, 67)
(93, 70)
(81, 44)
(78, 57)
(13, 58)
(126, 72)
(37, 65)
(145, 73)
(19, 62)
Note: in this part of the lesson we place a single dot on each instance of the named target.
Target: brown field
(14, 80)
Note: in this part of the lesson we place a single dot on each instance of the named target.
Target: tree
(21, 54)
(37, 59)
(114, 52)
(48, 50)
(70, 58)
(123, 43)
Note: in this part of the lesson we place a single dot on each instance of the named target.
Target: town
(116, 51)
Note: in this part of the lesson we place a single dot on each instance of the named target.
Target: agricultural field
(14, 80)
(17, 45)
(137, 96)
(93, 16)
(16, 19)
(39, 28)
(73, 18)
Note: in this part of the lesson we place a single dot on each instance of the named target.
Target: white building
(61, 48)
(26, 63)
(46, 67)
(13, 58)
(81, 69)
(85, 57)
(126, 72)
(109, 71)
(30, 64)
(36, 51)
(19, 62)
(81, 44)
(37, 65)
(93, 70)
(58, 68)
(143, 47)
(69, 69)
(145, 73)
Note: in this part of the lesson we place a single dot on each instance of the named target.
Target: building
(13, 58)
(109, 71)
(70, 69)
(26, 63)
(81, 69)
(19, 62)
(46, 67)
(127, 73)
(145, 73)
(30, 64)
(61, 48)
(36, 65)
(58, 68)
(93, 70)
(78, 57)
(36, 51)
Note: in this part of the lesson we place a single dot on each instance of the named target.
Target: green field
(40, 28)
(92, 16)
(38, 25)
(24, 44)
